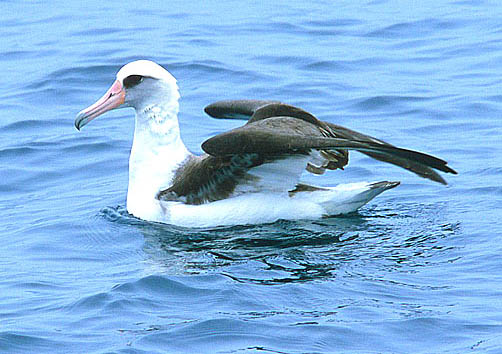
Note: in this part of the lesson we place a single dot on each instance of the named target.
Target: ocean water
(418, 270)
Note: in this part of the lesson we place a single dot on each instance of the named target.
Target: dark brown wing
(259, 110)
(278, 135)
(256, 110)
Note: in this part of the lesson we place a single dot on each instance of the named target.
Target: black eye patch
(132, 80)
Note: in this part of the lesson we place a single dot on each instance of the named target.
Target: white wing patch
(277, 176)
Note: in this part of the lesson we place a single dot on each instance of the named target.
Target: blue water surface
(418, 270)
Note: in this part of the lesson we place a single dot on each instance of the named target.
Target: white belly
(258, 208)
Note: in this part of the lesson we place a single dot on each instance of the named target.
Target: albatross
(248, 175)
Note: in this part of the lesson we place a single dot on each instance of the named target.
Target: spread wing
(277, 128)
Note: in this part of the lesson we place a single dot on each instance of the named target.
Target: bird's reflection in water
(299, 251)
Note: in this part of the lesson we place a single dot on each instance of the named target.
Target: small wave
(120, 215)
(157, 285)
(413, 29)
(17, 342)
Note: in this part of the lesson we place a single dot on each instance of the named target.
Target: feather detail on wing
(207, 178)
(280, 128)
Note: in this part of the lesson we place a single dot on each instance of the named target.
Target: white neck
(156, 153)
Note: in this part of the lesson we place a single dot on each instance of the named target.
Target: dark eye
(132, 80)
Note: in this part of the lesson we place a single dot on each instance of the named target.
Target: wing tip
(385, 185)
(235, 109)
(450, 170)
